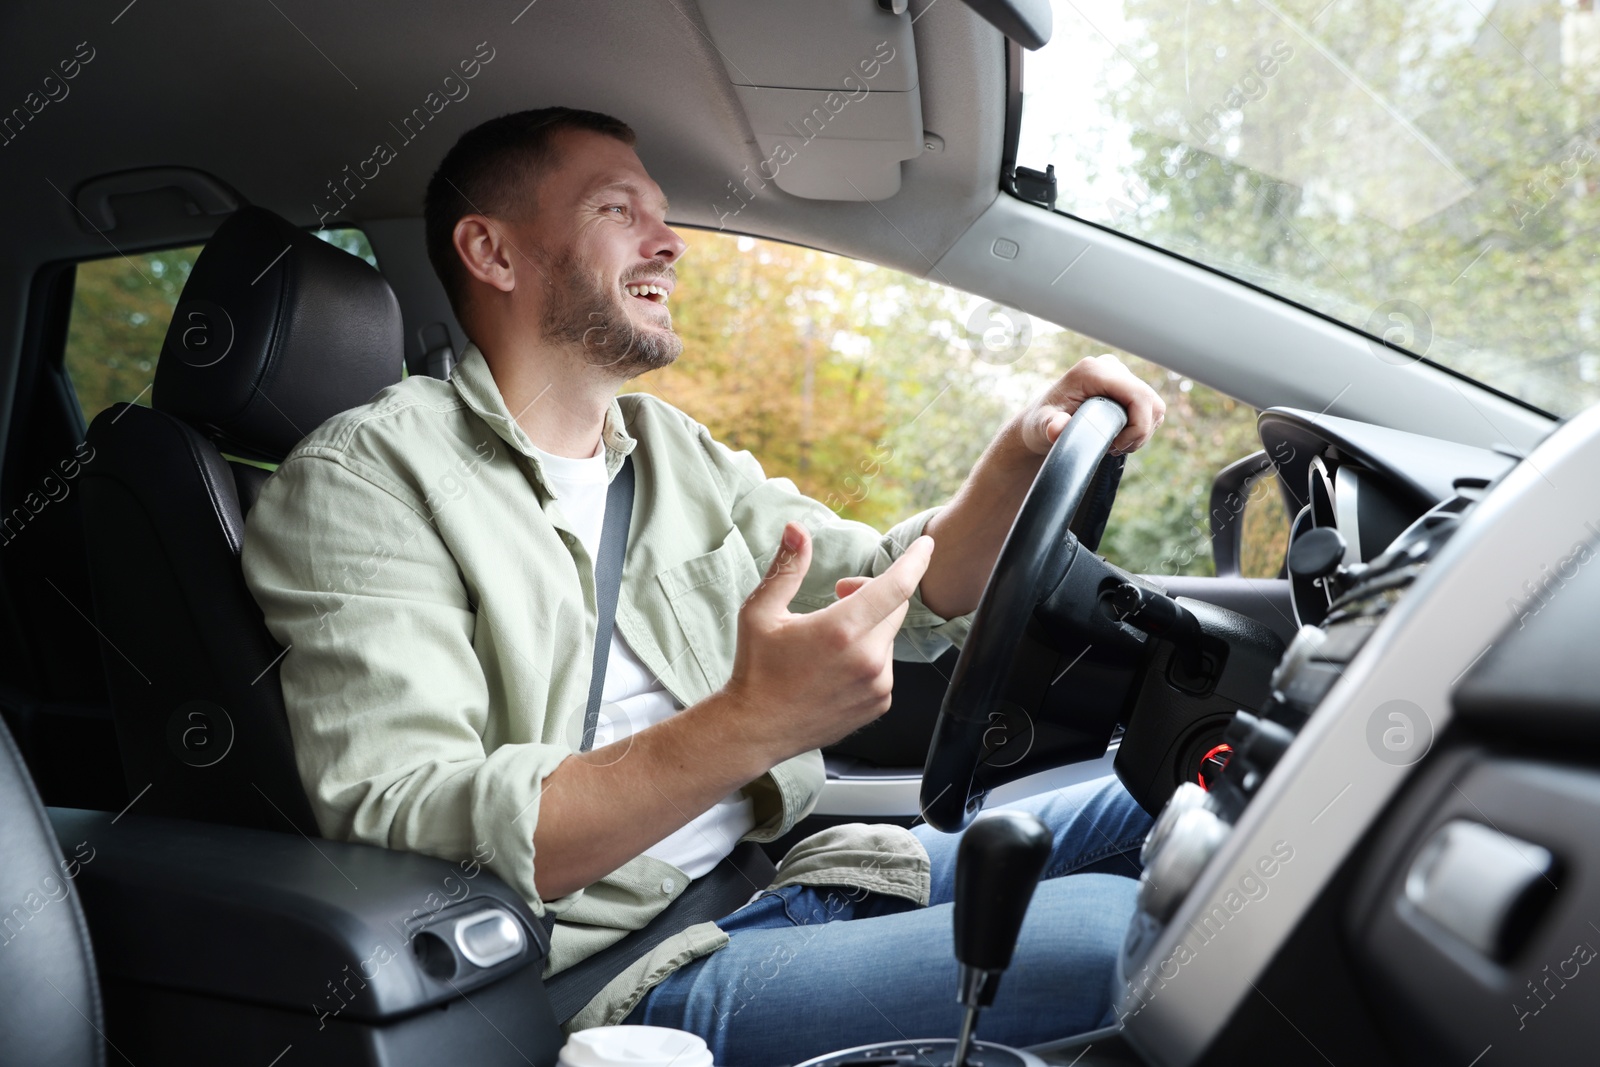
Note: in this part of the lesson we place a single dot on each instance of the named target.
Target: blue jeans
(813, 970)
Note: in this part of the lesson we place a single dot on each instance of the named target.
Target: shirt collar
(475, 382)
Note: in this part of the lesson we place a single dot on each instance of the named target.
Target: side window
(876, 392)
(121, 307)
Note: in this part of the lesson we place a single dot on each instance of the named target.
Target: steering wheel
(1017, 585)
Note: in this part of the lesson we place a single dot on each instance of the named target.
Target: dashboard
(1342, 892)
(1369, 484)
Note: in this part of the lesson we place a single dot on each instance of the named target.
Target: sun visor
(835, 117)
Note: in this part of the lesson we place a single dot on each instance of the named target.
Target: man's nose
(663, 243)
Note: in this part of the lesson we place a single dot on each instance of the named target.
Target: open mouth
(655, 294)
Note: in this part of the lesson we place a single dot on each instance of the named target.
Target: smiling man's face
(604, 256)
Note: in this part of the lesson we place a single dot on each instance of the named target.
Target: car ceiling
(276, 97)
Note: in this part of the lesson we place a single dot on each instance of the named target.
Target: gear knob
(998, 865)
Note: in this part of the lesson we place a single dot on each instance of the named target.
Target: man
(427, 559)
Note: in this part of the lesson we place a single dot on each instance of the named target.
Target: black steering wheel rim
(1009, 598)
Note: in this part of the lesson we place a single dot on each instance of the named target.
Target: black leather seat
(275, 332)
(49, 996)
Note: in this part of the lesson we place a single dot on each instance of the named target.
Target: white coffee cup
(634, 1046)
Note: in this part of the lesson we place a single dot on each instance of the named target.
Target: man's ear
(485, 252)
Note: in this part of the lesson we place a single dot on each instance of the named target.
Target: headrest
(275, 332)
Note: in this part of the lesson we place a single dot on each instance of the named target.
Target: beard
(583, 314)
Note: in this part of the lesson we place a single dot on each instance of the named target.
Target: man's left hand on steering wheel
(1102, 375)
(973, 526)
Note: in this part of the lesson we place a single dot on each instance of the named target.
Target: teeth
(647, 290)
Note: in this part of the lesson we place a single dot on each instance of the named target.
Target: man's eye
(618, 208)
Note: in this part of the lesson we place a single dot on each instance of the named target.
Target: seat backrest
(49, 996)
(274, 332)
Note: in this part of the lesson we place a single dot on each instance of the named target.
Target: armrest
(352, 930)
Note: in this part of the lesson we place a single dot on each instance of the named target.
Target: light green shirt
(439, 616)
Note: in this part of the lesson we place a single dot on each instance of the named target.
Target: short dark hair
(490, 167)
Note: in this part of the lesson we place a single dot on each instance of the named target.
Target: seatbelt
(608, 588)
(724, 888)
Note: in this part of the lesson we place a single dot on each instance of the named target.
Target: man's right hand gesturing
(804, 681)
(799, 682)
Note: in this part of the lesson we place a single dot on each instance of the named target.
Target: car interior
(1374, 766)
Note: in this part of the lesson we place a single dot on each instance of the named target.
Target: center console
(1247, 918)
(1196, 820)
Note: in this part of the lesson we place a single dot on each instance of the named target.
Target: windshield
(1424, 171)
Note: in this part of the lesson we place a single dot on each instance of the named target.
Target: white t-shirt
(633, 698)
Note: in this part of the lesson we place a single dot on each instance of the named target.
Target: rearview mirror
(1027, 22)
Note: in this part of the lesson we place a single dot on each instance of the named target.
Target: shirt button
(668, 885)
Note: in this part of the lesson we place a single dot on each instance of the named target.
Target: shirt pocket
(706, 593)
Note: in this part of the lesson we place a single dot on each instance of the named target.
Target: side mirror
(1235, 488)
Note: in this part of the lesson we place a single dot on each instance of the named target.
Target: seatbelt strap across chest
(608, 588)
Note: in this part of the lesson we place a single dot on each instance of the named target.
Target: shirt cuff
(925, 634)
(505, 810)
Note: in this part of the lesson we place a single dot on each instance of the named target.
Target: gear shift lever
(998, 865)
